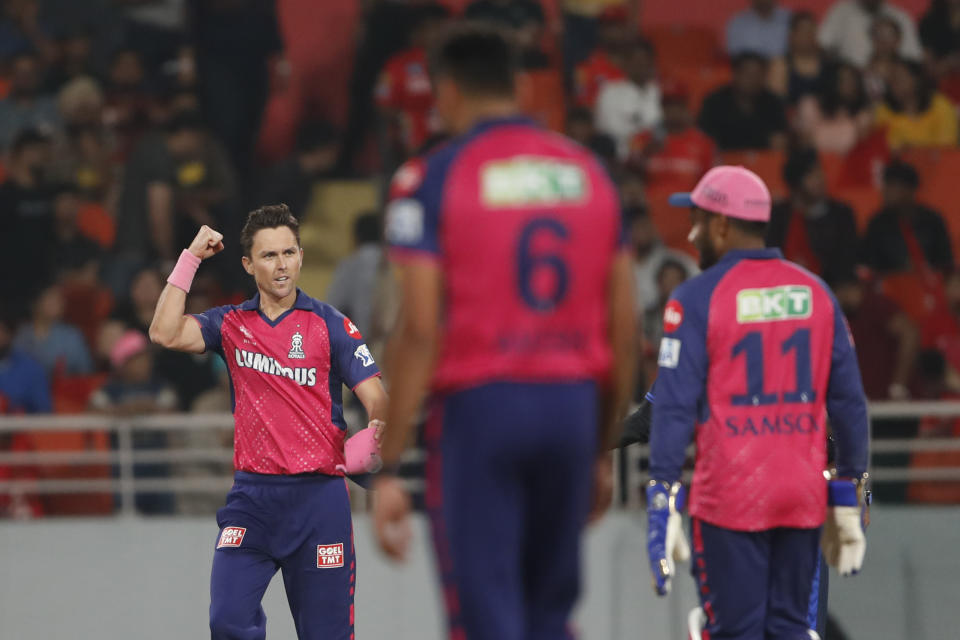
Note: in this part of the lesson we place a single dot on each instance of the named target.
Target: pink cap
(735, 192)
(127, 345)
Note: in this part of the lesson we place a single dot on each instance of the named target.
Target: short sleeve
(413, 215)
(350, 357)
(210, 322)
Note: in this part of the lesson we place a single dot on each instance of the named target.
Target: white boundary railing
(126, 455)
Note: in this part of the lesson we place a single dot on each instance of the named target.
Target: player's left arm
(621, 330)
(681, 382)
(412, 350)
(843, 541)
(373, 397)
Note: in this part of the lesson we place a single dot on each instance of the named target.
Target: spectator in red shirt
(888, 340)
(675, 154)
(607, 60)
(403, 92)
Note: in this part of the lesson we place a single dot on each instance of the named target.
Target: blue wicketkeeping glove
(844, 543)
(666, 544)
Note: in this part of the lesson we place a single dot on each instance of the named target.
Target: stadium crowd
(127, 124)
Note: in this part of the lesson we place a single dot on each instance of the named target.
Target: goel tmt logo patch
(791, 302)
(231, 537)
(330, 556)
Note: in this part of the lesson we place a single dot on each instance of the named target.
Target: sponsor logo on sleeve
(672, 316)
(231, 537)
(669, 353)
(791, 302)
(404, 221)
(351, 329)
(363, 355)
(408, 178)
(296, 347)
(330, 556)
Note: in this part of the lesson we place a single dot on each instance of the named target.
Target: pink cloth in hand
(361, 452)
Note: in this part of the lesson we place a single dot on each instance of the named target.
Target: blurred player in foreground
(517, 318)
(287, 355)
(756, 354)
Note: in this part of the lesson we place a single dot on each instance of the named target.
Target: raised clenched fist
(207, 243)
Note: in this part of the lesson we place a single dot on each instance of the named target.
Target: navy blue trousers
(509, 474)
(299, 525)
(756, 585)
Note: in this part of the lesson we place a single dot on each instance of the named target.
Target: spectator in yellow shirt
(914, 113)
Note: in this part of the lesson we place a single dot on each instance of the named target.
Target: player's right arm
(171, 328)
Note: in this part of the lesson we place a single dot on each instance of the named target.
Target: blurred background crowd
(127, 124)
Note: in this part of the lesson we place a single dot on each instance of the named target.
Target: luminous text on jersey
(792, 302)
(305, 377)
(528, 181)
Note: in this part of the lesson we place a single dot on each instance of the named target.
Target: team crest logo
(296, 347)
(363, 355)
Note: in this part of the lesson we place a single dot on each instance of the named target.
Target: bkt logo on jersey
(330, 556)
(527, 181)
(792, 302)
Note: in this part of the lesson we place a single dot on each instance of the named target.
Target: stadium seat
(71, 394)
(540, 94)
(939, 170)
(86, 306)
(699, 80)
(685, 45)
(96, 223)
(73, 504)
(766, 164)
(918, 294)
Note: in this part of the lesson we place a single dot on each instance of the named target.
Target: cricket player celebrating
(287, 355)
(517, 316)
(755, 356)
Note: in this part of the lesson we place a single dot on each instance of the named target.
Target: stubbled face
(700, 237)
(274, 262)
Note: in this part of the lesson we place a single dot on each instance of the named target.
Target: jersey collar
(302, 302)
(490, 123)
(752, 254)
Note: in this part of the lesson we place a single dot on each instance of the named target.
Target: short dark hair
(314, 135)
(269, 216)
(28, 138)
(187, 120)
(367, 228)
(479, 60)
(747, 57)
(750, 227)
(902, 173)
(798, 166)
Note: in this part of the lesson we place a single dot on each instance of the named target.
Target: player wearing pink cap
(755, 357)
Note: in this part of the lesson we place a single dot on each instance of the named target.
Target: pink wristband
(182, 275)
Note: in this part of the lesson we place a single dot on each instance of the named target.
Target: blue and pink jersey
(756, 356)
(286, 381)
(524, 224)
